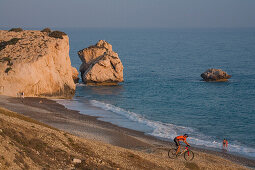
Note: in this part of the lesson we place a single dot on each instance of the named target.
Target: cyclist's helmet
(186, 135)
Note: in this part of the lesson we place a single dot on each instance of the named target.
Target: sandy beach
(88, 127)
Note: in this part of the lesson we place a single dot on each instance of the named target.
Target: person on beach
(225, 144)
(177, 142)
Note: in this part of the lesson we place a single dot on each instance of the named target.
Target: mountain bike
(187, 153)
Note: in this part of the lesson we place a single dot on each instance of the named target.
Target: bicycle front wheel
(188, 155)
(172, 153)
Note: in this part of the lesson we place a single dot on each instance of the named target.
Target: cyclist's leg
(178, 147)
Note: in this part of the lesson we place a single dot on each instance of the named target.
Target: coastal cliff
(100, 65)
(35, 63)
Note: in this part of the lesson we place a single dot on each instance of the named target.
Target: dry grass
(192, 166)
(21, 117)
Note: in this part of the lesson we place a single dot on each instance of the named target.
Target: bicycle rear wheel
(172, 153)
(189, 155)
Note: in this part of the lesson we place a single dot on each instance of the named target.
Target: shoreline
(56, 115)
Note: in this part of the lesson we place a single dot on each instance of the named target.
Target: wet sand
(56, 115)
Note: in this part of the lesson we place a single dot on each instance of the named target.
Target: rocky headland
(36, 63)
(213, 74)
(100, 65)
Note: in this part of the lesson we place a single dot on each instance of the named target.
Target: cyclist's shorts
(176, 142)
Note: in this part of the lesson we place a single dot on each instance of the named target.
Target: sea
(163, 94)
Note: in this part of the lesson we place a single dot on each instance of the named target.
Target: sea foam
(169, 131)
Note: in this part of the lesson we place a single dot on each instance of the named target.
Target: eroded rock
(215, 75)
(36, 64)
(101, 65)
(75, 75)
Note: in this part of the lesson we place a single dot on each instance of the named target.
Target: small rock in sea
(213, 74)
(75, 160)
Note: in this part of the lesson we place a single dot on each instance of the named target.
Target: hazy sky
(127, 13)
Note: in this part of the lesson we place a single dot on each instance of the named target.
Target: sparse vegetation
(48, 30)
(95, 46)
(9, 64)
(19, 116)
(10, 42)
(192, 166)
(7, 70)
(8, 59)
(57, 34)
(7, 164)
(16, 29)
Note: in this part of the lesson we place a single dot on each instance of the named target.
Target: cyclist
(177, 142)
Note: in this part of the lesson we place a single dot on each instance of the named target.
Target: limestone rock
(215, 75)
(101, 65)
(75, 75)
(35, 64)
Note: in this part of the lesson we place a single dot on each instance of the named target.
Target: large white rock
(36, 64)
(101, 65)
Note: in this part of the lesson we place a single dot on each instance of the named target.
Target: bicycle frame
(188, 154)
(186, 149)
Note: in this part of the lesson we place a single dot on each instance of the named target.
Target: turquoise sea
(163, 94)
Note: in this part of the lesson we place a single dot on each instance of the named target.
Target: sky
(128, 13)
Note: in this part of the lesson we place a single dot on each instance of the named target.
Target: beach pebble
(75, 160)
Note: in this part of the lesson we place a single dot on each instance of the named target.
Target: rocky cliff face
(36, 64)
(215, 75)
(100, 65)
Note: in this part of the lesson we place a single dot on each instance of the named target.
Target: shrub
(7, 70)
(47, 30)
(10, 42)
(6, 59)
(9, 63)
(13, 41)
(57, 34)
(3, 45)
(16, 29)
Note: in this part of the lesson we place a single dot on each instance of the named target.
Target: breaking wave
(169, 131)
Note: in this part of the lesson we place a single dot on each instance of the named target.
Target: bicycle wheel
(172, 153)
(189, 155)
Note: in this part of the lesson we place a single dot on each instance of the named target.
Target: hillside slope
(29, 144)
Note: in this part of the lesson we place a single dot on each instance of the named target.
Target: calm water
(162, 94)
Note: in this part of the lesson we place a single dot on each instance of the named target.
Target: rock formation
(36, 64)
(75, 74)
(215, 75)
(100, 65)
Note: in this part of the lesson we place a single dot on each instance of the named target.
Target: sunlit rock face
(100, 65)
(36, 64)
